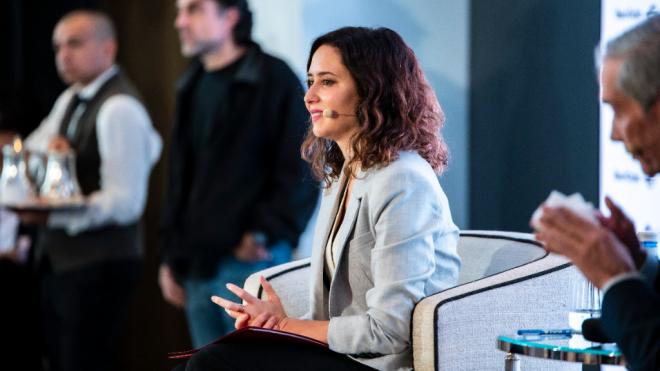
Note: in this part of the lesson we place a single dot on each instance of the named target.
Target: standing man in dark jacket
(608, 253)
(238, 192)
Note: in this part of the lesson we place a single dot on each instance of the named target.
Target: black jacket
(249, 175)
(631, 317)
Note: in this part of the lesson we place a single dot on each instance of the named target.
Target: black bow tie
(77, 99)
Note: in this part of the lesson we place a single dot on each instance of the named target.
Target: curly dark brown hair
(397, 109)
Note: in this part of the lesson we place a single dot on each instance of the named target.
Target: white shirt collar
(88, 91)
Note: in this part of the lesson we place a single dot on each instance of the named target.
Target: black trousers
(83, 312)
(268, 355)
(21, 342)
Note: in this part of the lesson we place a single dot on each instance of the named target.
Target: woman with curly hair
(384, 237)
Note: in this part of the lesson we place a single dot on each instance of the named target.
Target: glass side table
(573, 349)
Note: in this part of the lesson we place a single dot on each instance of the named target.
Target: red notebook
(252, 334)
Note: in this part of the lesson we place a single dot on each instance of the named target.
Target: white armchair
(507, 282)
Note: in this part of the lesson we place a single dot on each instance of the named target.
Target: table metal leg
(511, 362)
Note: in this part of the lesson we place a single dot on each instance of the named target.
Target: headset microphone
(328, 113)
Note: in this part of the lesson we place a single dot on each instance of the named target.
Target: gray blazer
(395, 246)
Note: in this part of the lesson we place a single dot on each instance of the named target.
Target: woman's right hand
(268, 313)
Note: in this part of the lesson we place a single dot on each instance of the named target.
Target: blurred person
(89, 260)
(21, 341)
(238, 194)
(8, 220)
(10, 249)
(384, 235)
(608, 252)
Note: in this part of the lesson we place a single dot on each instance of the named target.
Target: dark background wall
(533, 106)
(28, 81)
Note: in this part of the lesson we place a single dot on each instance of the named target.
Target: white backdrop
(621, 177)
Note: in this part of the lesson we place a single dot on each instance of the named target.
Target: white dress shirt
(128, 147)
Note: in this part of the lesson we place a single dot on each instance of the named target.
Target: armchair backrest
(484, 253)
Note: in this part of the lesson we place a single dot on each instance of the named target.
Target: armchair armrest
(291, 283)
(457, 329)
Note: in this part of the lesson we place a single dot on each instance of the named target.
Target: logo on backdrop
(628, 13)
(636, 12)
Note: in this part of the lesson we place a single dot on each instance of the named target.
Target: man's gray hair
(639, 49)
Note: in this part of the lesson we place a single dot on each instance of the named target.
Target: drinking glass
(585, 303)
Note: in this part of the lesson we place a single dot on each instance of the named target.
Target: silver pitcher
(15, 186)
(60, 183)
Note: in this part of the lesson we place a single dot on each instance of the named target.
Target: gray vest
(102, 244)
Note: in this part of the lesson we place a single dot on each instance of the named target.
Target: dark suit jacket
(631, 317)
(248, 176)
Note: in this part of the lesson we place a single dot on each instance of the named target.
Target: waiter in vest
(88, 260)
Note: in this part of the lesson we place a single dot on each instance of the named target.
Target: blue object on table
(552, 332)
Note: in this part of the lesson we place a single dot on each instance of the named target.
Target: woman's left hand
(255, 312)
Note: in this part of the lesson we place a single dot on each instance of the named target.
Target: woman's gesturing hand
(267, 313)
